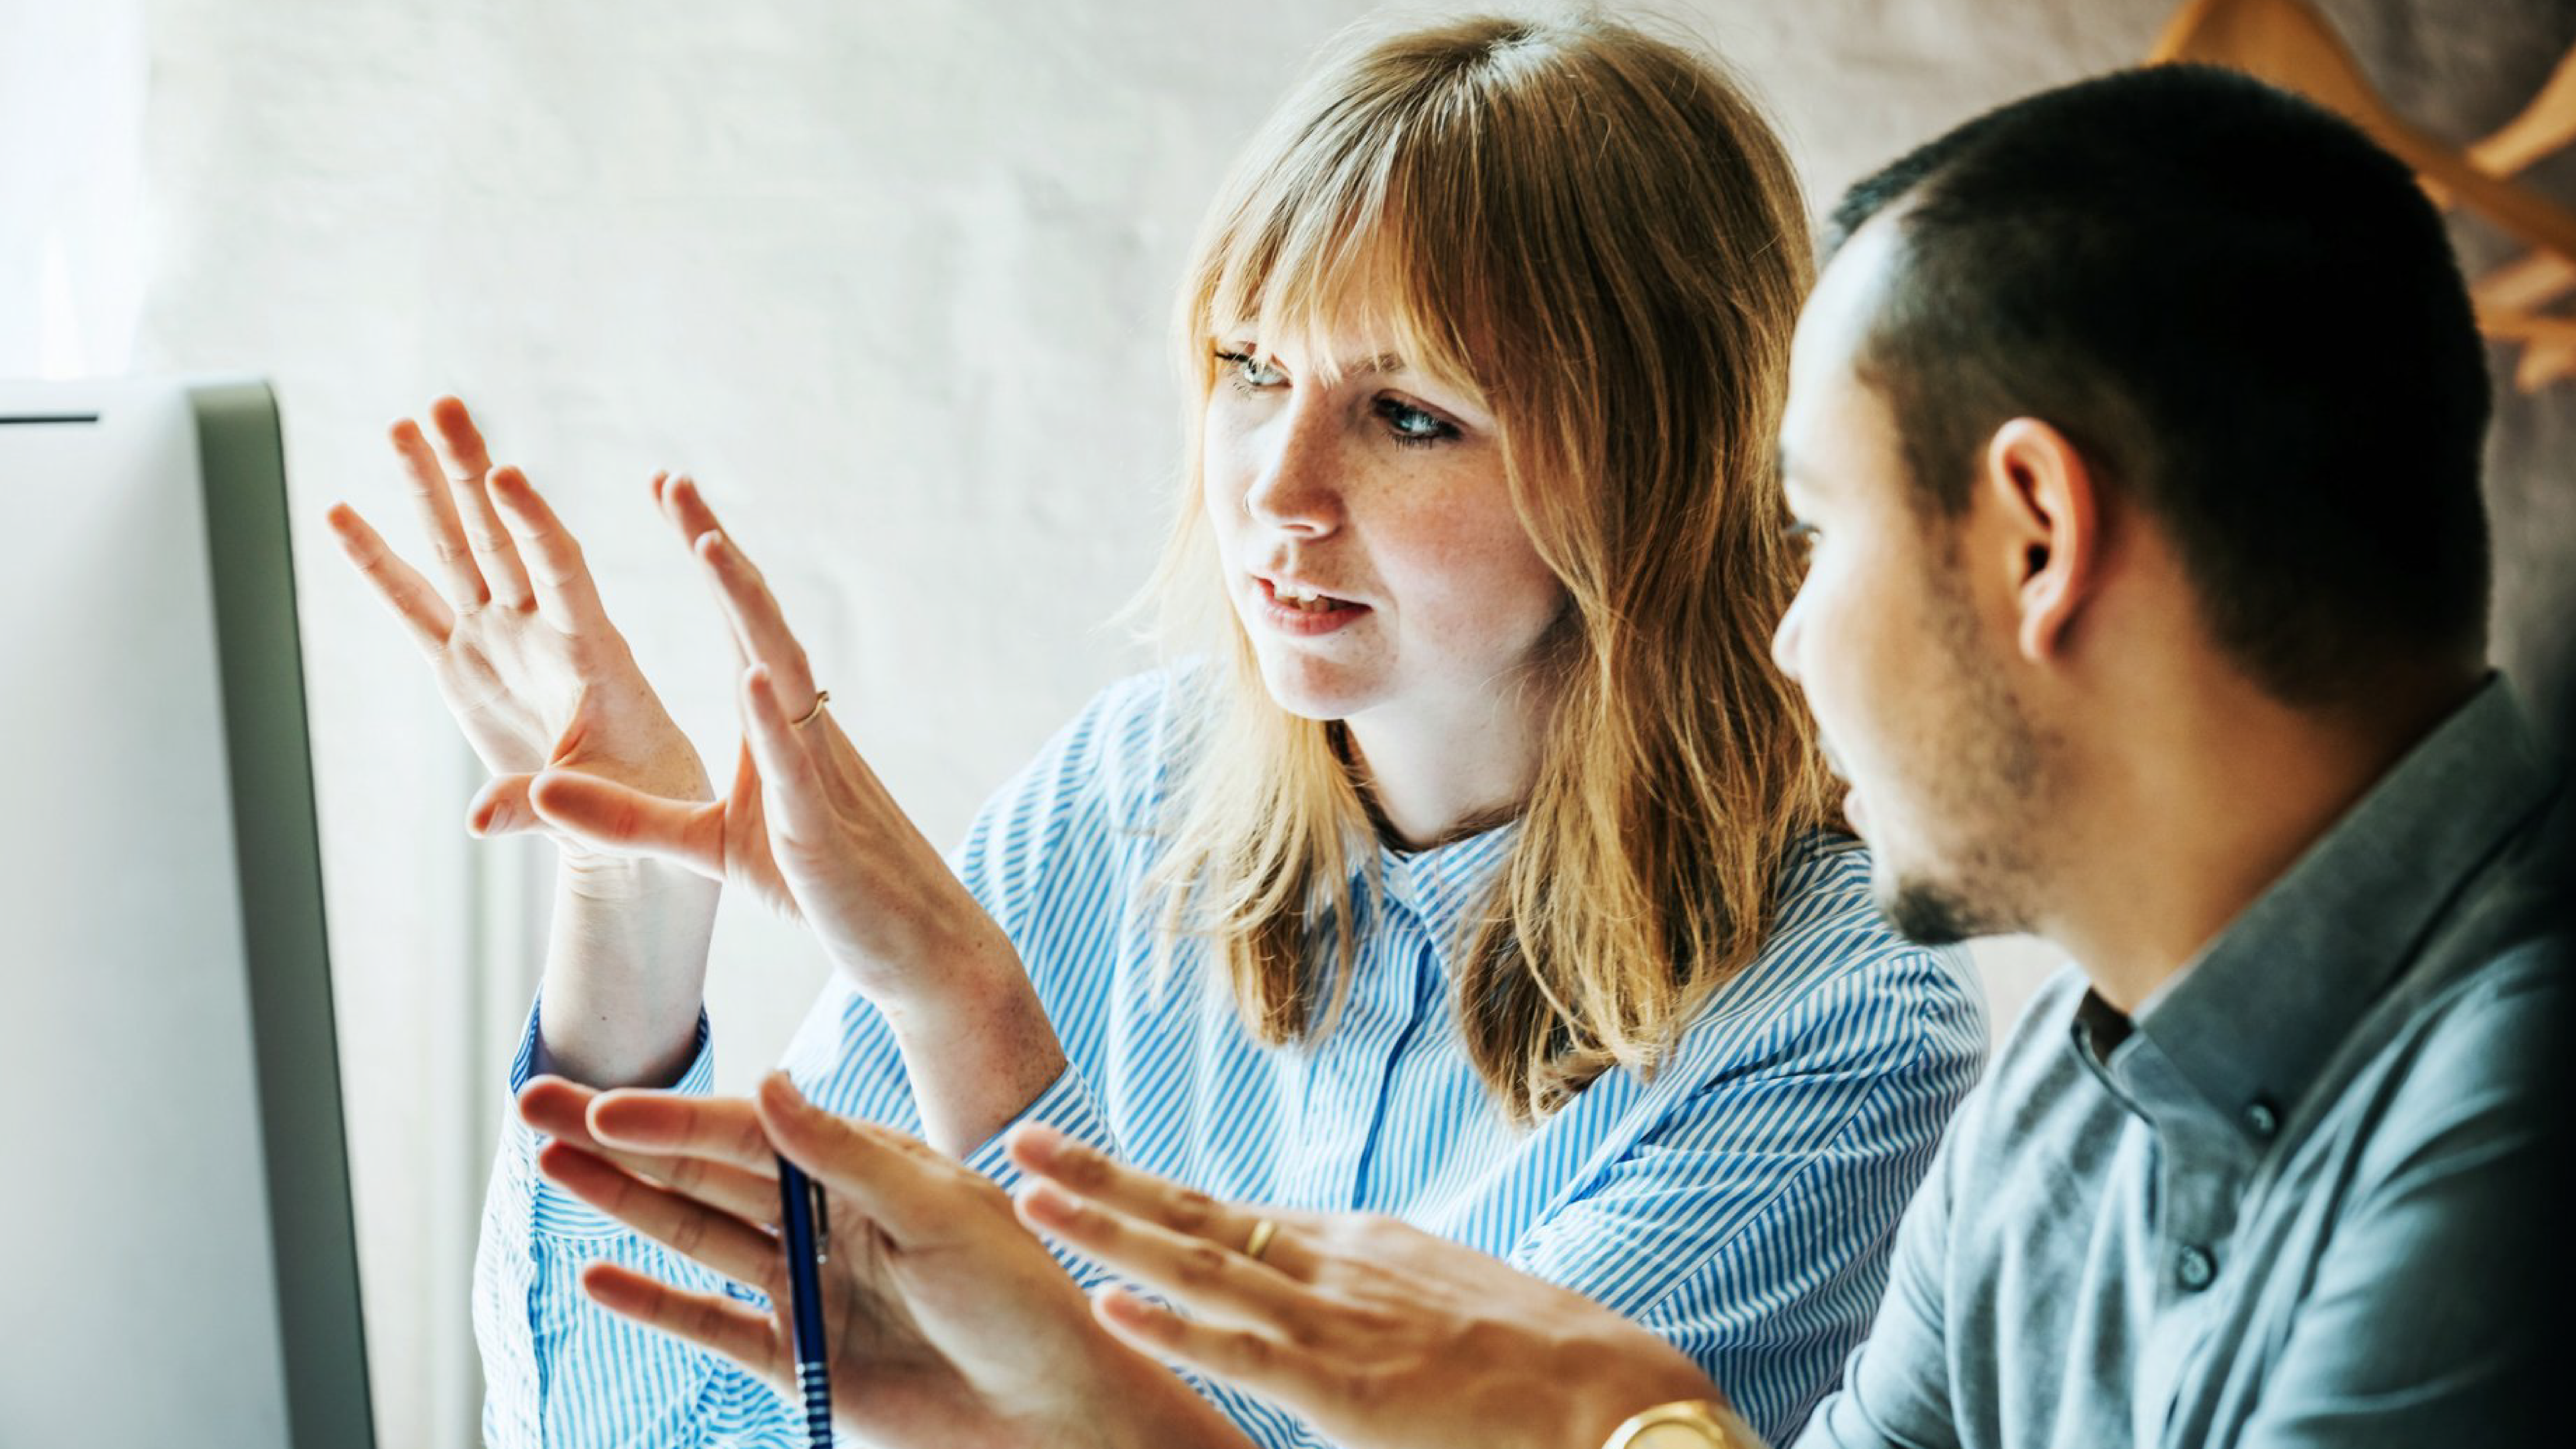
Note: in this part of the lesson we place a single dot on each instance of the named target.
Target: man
(2135, 428)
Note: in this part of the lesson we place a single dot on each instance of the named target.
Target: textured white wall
(891, 279)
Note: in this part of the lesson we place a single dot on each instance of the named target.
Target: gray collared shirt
(2297, 1201)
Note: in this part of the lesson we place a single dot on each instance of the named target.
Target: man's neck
(2197, 812)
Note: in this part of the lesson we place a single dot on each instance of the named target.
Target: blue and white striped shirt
(1741, 1203)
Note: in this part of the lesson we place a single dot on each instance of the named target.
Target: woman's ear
(2049, 529)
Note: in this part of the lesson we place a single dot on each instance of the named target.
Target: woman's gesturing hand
(809, 829)
(513, 629)
(1375, 1332)
(947, 1323)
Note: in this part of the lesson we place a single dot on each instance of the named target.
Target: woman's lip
(1302, 623)
(1270, 589)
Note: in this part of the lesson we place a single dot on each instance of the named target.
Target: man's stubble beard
(1984, 771)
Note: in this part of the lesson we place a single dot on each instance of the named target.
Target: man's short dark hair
(2241, 311)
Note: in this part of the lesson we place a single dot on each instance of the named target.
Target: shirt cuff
(1067, 1106)
(555, 1213)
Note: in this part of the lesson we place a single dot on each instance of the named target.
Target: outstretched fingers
(559, 577)
(414, 601)
(1084, 1175)
(1204, 1276)
(694, 1230)
(686, 507)
(724, 1129)
(562, 1110)
(759, 625)
(710, 1320)
(494, 554)
(435, 503)
(791, 783)
(1268, 1366)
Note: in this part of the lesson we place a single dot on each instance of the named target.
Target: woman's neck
(1434, 774)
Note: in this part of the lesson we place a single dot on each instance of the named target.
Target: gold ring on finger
(820, 696)
(1262, 1232)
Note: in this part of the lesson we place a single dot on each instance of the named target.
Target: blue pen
(802, 1213)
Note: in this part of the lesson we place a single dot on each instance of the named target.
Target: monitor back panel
(178, 1210)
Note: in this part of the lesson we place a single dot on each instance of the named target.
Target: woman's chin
(1316, 689)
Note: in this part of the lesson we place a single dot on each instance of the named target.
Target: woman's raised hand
(512, 627)
(809, 829)
(1374, 1331)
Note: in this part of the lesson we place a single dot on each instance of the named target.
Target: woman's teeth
(1306, 603)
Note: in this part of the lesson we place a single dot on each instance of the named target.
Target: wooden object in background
(2290, 45)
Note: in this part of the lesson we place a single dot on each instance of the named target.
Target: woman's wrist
(615, 880)
(625, 974)
(976, 1041)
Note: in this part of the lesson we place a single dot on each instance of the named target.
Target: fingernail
(1035, 1143)
(1046, 1200)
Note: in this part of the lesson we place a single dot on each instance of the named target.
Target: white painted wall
(891, 279)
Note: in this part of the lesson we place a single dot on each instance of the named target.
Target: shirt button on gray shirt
(2295, 1201)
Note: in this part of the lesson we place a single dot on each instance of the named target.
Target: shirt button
(2262, 1118)
(2194, 1268)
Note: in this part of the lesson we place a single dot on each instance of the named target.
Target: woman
(1477, 872)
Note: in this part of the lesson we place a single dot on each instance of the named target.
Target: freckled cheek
(1222, 482)
(1477, 586)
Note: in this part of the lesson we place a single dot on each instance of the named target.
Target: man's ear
(2043, 493)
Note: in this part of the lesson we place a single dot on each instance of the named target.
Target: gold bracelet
(1687, 1424)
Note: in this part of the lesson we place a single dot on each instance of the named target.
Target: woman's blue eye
(1251, 374)
(1412, 426)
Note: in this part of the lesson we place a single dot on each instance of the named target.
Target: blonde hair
(1601, 237)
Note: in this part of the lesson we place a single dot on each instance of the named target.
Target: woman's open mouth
(1302, 612)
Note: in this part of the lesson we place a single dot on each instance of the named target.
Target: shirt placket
(1346, 1083)
(2200, 1175)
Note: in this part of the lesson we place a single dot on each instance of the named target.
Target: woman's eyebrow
(1383, 363)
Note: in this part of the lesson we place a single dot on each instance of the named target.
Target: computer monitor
(175, 1214)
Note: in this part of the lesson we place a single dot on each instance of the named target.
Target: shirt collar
(1441, 886)
(2247, 1026)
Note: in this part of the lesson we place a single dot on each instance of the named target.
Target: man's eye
(1250, 372)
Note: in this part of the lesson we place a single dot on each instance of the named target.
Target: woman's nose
(1296, 485)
